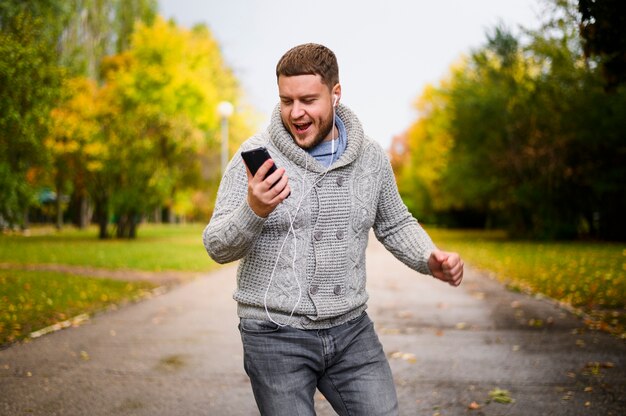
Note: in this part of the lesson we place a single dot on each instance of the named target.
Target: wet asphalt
(478, 349)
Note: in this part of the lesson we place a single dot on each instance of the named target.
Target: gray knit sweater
(327, 252)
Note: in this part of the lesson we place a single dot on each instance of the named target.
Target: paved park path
(180, 354)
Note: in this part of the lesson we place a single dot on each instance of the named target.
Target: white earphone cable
(292, 230)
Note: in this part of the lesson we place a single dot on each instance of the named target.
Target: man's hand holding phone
(267, 187)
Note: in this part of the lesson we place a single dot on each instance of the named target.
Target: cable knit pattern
(332, 226)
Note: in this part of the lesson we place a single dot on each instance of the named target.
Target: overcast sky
(388, 50)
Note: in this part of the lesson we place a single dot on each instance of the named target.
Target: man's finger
(263, 170)
(278, 187)
(275, 177)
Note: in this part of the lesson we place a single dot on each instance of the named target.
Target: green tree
(94, 30)
(421, 156)
(602, 28)
(29, 85)
(75, 139)
(588, 125)
(534, 143)
(38, 36)
(162, 95)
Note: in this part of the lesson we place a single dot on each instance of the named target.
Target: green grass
(590, 276)
(30, 300)
(157, 248)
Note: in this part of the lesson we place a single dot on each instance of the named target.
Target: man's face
(306, 108)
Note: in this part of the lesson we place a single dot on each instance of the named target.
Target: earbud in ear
(336, 98)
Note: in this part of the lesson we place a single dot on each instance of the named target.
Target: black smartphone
(255, 158)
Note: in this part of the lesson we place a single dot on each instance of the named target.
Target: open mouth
(302, 127)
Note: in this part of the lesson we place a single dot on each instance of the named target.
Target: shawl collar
(283, 141)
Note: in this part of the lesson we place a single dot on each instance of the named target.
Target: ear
(336, 92)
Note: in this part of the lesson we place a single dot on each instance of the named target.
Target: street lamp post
(225, 110)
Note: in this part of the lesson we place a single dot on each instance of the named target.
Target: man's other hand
(446, 266)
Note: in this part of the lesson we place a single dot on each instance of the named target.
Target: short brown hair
(310, 58)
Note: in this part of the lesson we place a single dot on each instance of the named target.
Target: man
(301, 234)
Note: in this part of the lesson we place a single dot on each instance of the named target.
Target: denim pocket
(257, 326)
(358, 319)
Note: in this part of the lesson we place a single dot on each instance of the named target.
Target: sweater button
(313, 289)
(337, 290)
(340, 234)
(340, 180)
(317, 235)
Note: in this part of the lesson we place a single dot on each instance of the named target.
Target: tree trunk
(59, 209)
(102, 216)
(127, 226)
(158, 215)
(120, 226)
(83, 216)
(25, 221)
(167, 214)
(132, 227)
(79, 209)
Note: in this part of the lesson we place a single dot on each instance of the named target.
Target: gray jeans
(346, 363)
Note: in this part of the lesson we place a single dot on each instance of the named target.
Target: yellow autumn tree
(426, 149)
(164, 92)
(75, 141)
(147, 138)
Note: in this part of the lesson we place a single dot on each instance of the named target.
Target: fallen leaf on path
(473, 406)
(499, 395)
(406, 356)
(410, 358)
(595, 367)
(605, 364)
(390, 331)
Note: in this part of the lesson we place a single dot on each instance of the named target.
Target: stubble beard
(325, 130)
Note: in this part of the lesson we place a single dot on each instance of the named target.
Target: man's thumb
(440, 256)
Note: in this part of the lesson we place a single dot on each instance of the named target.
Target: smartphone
(255, 158)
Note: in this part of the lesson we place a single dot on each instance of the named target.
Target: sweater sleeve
(234, 227)
(397, 229)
